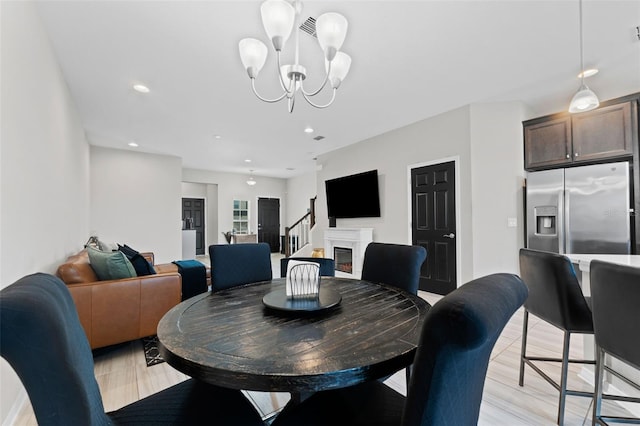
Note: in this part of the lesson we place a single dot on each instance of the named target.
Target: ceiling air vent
(309, 26)
(318, 138)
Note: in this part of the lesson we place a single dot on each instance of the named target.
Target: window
(240, 217)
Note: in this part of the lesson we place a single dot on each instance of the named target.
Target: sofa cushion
(140, 264)
(110, 265)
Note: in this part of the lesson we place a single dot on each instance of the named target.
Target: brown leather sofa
(117, 311)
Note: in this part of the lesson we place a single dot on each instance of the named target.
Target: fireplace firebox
(343, 259)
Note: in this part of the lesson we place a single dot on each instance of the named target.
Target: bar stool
(555, 296)
(615, 295)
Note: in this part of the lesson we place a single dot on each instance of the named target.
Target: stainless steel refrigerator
(583, 209)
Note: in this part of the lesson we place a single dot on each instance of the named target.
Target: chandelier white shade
(585, 99)
(279, 18)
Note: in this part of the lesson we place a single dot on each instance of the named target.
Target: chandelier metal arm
(333, 96)
(253, 86)
(324, 83)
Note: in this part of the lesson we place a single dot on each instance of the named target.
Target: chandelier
(279, 18)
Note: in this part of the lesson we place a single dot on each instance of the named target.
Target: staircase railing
(296, 236)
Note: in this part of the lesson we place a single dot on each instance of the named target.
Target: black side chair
(555, 296)
(327, 266)
(237, 264)
(449, 371)
(394, 264)
(615, 295)
(43, 341)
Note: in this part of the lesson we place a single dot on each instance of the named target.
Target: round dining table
(231, 338)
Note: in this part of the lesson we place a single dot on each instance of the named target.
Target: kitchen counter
(584, 260)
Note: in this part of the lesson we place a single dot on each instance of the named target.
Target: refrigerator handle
(565, 240)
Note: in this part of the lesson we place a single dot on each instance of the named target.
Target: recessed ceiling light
(133, 144)
(141, 88)
(217, 136)
(248, 160)
(308, 129)
(589, 72)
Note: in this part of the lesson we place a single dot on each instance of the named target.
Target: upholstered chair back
(554, 290)
(237, 264)
(398, 265)
(42, 339)
(457, 338)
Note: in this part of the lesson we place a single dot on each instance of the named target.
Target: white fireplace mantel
(356, 239)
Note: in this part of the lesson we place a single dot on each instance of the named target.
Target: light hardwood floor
(123, 377)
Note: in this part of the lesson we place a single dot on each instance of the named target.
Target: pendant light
(251, 181)
(584, 99)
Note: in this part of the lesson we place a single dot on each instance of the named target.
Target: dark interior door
(269, 222)
(434, 224)
(193, 208)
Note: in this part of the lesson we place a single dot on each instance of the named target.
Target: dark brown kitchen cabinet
(602, 133)
(547, 142)
(563, 139)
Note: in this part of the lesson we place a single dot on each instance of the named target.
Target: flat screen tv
(353, 196)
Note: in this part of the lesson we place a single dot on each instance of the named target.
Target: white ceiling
(411, 60)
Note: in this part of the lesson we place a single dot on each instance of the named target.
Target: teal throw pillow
(112, 265)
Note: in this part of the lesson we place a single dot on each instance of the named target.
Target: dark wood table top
(229, 338)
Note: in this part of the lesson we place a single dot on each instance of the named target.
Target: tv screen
(353, 196)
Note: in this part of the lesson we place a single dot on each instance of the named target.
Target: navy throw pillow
(140, 264)
(128, 250)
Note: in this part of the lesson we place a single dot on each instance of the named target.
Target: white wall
(194, 190)
(300, 190)
(497, 178)
(44, 173)
(487, 141)
(444, 136)
(136, 199)
(234, 187)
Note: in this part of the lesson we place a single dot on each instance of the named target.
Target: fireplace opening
(343, 259)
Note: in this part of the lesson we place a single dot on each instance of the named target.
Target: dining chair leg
(563, 377)
(597, 392)
(523, 350)
(408, 374)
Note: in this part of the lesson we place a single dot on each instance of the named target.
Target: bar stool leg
(523, 350)
(597, 393)
(563, 377)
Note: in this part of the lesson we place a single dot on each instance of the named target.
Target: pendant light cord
(581, 53)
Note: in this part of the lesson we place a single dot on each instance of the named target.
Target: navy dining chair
(237, 264)
(397, 265)
(42, 339)
(450, 366)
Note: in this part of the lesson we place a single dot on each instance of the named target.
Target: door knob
(451, 235)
